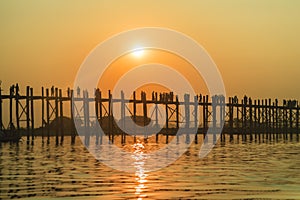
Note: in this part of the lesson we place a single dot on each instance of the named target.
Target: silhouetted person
(95, 92)
(68, 92)
(12, 89)
(235, 100)
(245, 99)
(294, 103)
(172, 96)
(78, 91)
(52, 91)
(17, 88)
(284, 102)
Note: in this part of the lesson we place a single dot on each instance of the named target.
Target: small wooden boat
(10, 136)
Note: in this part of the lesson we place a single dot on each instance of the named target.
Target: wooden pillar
(97, 103)
(270, 117)
(86, 118)
(62, 134)
(245, 114)
(297, 120)
(187, 116)
(56, 117)
(285, 121)
(258, 118)
(187, 111)
(214, 115)
(123, 118)
(156, 117)
(28, 113)
(250, 119)
(111, 117)
(101, 116)
(177, 112)
(43, 113)
(231, 117)
(11, 95)
(291, 120)
(48, 115)
(134, 113)
(276, 119)
(280, 121)
(144, 100)
(264, 118)
(243, 119)
(72, 109)
(267, 119)
(222, 115)
(273, 120)
(17, 107)
(97, 113)
(167, 122)
(32, 114)
(206, 112)
(204, 116)
(84, 99)
(255, 119)
(1, 120)
(100, 107)
(196, 118)
(237, 117)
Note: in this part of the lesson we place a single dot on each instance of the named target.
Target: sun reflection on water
(141, 176)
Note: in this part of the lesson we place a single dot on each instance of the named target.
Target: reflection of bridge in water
(250, 119)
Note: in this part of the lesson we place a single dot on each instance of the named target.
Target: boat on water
(9, 136)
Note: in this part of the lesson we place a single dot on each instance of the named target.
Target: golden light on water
(141, 176)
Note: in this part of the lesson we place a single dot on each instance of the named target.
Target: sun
(138, 53)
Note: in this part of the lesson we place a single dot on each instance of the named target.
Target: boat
(9, 136)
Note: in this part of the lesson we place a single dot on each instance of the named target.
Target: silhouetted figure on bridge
(52, 91)
(78, 91)
(12, 90)
(17, 89)
(69, 92)
(235, 100)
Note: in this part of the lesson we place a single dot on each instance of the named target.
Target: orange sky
(255, 44)
(127, 62)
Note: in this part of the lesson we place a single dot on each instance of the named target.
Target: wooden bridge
(250, 119)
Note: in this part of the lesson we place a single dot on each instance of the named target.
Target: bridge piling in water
(61, 117)
(43, 113)
(47, 116)
(56, 117)
(1, 122)
(196, 120)
(28, 114)
(252, 119)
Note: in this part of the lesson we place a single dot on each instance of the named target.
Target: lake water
(232, 170)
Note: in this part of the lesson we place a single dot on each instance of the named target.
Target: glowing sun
(138, 53)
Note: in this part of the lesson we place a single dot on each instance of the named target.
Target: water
(233, 170)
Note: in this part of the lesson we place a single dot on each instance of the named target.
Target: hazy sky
(255, 44)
